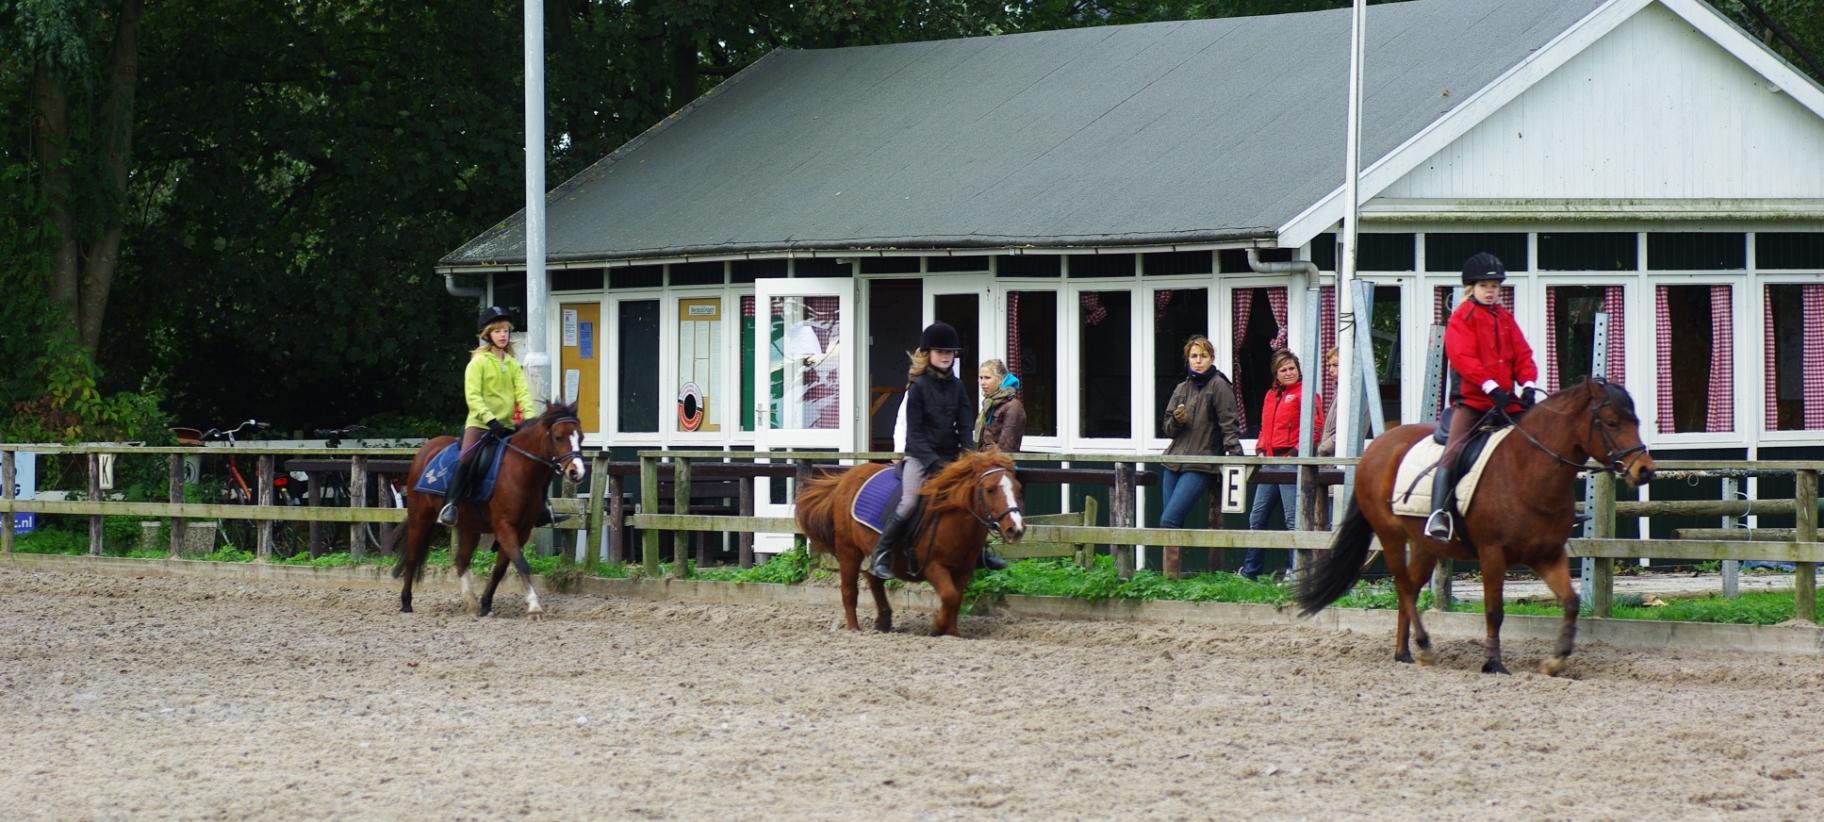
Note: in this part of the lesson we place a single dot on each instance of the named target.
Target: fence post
(617, 519)
(6, 492)
(1602, 592)
(357, 498)
(1805, 529)
(1121, 514)
(649, 504)
(744, 541)
(592, 518)
(95, 528)
(801, 474)
(680, 505)
(313, 497)
(176, 488)
(1731, 579)
(1441, 595)
(264, 474)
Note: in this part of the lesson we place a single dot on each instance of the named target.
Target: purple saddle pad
(880, 491)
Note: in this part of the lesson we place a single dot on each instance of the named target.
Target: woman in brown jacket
(1002, 421)
(1200, 418)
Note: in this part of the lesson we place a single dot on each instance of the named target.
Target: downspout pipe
(473, 292)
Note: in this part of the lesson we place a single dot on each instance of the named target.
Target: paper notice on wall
(569, 327)
(573, 382)
(586, 341)
(801, 341)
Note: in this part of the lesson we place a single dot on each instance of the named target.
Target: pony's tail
(1336, 572)
(816, 502)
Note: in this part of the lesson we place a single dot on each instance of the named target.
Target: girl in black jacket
(939, 425)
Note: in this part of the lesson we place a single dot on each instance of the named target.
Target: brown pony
(964, 501)
(542, 447)
(1522, 515)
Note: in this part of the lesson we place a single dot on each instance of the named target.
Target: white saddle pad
(1415, 473)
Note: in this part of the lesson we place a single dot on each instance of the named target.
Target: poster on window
(699, 363)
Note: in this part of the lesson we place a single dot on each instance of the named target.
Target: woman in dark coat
(1201, 420)
(938, 427)
(1002, 421)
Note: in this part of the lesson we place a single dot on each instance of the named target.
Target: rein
(1613, 461)
(981, 495)
(554, 463)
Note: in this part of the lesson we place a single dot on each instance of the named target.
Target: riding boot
(451, 499)
(880, 563)
(1441, 526)
(990, 561)
(549, 516)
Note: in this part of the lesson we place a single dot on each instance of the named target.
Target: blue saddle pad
(436, 477)
(875, 495)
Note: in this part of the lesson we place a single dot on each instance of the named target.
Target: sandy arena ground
(188, 698)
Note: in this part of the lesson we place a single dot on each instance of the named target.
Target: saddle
(482, 465)
(880, 494)
(1412, 484)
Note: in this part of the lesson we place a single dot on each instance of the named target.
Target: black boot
(1441, 526)
(880, 563)
(990, 561)
(452, 499)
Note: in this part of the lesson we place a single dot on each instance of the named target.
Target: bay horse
(964, 501)
(546, 445)
(1523, 514)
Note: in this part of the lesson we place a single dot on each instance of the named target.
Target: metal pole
(1731, 583)
(1599, 368)
(1348, 439)
(537, 362)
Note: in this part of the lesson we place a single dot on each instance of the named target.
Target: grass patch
(1757, 608)
(1064, 578)
(786, 568)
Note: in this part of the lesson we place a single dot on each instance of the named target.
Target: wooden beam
(1805, 524)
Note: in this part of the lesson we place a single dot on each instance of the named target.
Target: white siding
(1653, 110)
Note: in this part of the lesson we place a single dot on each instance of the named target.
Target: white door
(804, 367)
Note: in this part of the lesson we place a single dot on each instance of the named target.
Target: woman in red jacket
(1278, 438)
(1494, 369)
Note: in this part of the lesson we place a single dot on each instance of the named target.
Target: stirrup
(881, 564)
(1441, 526)
(447, 516)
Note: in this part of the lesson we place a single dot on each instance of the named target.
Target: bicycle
(389, 493)
(242, 534)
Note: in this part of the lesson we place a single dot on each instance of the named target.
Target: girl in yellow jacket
(496, 391)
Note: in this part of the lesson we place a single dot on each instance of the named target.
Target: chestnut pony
(540, 448)
(1523, 514)
(965, 500)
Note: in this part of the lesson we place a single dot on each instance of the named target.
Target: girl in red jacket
(1494, 369)
(1278, 438)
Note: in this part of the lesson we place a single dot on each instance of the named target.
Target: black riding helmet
(488, 316)
(940, 336)
(1483, 266)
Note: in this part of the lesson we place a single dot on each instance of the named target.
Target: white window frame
(612, 307)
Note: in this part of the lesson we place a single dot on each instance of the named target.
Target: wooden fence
(602, 516)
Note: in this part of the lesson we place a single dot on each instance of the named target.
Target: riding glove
(499, 429)
(1501, 398)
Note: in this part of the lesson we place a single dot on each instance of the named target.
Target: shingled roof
(1186, 132)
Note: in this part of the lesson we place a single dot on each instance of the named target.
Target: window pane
(1032, 355)
(1259, 326)
(1573, 332)
(747, 362)
(1696, 359)
(1029, 265)
(1102, 265)
(1105, 327)
(1447, 252)
(1696, 251)
(805, 374)
(638, 410)
(1794, 316)
(1796, 249)
(1178, 262)
(1589, 251)
(1386, 330)
(963, 313)
(1177, 316)
(700, 408)
(1384, 252)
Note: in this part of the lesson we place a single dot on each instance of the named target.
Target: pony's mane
(954, 486)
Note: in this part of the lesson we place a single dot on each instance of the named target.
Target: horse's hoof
(1428, 657)
(1403, 656)
(405, 609)
(536, 616)
(1494, 666)
(1553, 665)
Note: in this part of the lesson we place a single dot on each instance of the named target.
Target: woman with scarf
(1200, 418)
(1002, 420)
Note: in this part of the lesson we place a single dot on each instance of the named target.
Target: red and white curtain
(1013, 333)
(1616, 349)
(1276, 299)
(1811, 298)
(822, 384)
(1326, 333)
(1243, 308)
(1719, 395)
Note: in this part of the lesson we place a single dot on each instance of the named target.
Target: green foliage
(51, 541)
(227, 553)
(1063, 578)
(786, 568)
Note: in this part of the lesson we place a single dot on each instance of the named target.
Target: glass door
(962, 304)
(804, 398)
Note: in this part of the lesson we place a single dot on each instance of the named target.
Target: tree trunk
(684, 67)
(51, 135)
(117, 148)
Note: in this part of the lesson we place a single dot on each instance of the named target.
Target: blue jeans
(1182, 489)
(1264, 497)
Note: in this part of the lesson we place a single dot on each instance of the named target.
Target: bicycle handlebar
(228, 434)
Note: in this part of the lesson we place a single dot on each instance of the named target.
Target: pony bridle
(993, 521)
(1615, 462)
(556, 464)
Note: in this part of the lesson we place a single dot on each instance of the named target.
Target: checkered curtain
(1243, 309)
(822, 384)
(1720, 412)
(1613, 306)
(1813, 297)
(1162, 299)
(1326, 331)
(1013, 333)
(1276, 298)
(1094, 312)
(1770, 377)
(1551, 340)
(1662, 327)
